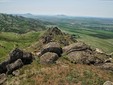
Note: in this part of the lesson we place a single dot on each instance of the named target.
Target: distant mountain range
(19, 24)
(22, 23)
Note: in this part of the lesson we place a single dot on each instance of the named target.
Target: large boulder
(52, 47)
(79, 46)
(84, 57)
(48, 58)
(82, 53)
(15, 54)
(14, 66)
(27, 58)
(106, 66)
(14, 58)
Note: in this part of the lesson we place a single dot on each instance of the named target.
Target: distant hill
(19, 24)
(95, 23)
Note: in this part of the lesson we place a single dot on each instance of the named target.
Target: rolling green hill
(19, 24)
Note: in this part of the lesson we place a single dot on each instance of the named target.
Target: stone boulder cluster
(76, 52)
(50, 53)
(83, 54)
(17, 59)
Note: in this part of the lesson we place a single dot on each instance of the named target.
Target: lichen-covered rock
(106, 66)
(81, 53)
(83, 57)
(14, 66)
(48, 58)
(52, 47)
(79, 46)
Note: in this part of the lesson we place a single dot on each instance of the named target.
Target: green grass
(95, 38)
(9, 41)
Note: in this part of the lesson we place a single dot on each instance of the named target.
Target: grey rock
(106, 66)
(14, 66)
(79, 46)
(48, 58)
(52, 47)
(16, 73)
(108, 83)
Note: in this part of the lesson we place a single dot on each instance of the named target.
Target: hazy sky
(95, 8)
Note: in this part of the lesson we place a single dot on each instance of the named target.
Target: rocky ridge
(52, 49)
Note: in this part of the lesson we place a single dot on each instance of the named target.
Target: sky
(89, 8)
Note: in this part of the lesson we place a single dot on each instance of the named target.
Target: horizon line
(34, 14)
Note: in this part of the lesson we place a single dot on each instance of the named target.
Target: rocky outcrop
(17, 59)
(54, 34)
(48, 58)
(52, 47)
(106, 66)
(50, 53)
(81, 53)
(79, 46)
(15, 54)
(54, 31)
(27, 58)
(84, 57)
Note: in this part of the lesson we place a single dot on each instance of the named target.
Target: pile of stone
(50, 53)
(17, 59)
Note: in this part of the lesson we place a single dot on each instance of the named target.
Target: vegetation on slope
(19, 24)
(9, 41)
(62, 73)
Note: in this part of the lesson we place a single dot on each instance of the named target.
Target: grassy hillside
(19, 24)
(95, 38)
(9, 41)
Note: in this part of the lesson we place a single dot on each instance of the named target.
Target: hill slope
(19, 24)
(62, 71)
